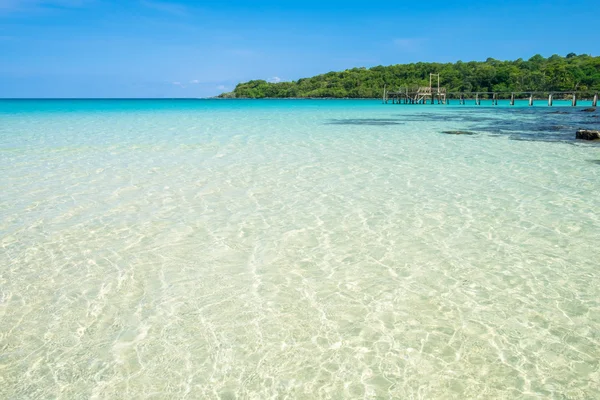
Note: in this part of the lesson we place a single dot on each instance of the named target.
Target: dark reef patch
(536, 124)
(459, 133)
(470, 116)
(592, 122)
(365, 121)
(519, 123)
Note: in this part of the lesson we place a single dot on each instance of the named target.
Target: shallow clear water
(297, 249)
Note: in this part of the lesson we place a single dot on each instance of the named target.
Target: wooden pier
(431, 95)
(417, 95)
(428, 95)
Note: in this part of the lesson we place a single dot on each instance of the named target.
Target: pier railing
(427, 95)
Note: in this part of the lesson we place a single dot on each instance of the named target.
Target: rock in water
(458, 133)
(585, 134)
(591, 109)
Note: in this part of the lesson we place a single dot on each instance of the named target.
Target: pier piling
(429, 95)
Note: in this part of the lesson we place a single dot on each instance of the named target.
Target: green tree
(556, 73)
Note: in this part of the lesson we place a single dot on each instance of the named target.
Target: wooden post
(550, 100)
(494, 99)
(574, 103)
(595, 100)
(477, 103)
(462, 99)
(512, 99)
(383, 97)
(531, 100)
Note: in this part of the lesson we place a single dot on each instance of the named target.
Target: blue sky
(159, 48)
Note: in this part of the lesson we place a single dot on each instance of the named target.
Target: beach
(297, 249)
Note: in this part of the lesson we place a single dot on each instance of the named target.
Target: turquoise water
(297, 249)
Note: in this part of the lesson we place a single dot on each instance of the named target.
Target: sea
(298, 249)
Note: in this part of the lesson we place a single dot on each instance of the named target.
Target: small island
(555, 73)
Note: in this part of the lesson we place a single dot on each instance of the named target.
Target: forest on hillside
(556, 73)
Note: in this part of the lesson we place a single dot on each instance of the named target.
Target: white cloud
(178, 84)
(221, 87)
(274, 79)
(195, 81)
(409, 44)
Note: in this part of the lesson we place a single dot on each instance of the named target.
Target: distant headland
(555, 73)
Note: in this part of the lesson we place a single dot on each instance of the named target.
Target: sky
(185, 48)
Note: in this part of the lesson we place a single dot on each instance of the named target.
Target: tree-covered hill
(556, 73)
